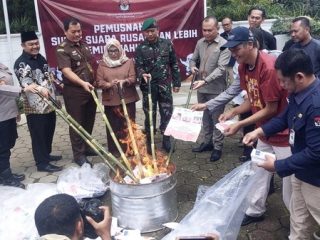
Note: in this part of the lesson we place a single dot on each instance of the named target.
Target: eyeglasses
(113, 51)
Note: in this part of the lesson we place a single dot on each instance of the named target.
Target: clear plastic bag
(221, 208)
(84, 182)
(17, 210)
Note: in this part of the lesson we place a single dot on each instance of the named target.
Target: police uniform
(159, 59)
(302, 117)
(79, 103)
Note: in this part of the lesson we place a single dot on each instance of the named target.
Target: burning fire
(143, 168)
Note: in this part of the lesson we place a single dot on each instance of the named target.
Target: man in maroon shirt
(265, 99)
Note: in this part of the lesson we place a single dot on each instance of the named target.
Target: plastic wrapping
(17, 210)
(222, 206)
(84, 182)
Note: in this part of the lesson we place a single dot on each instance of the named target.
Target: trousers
(257, 205)
(161, 95)
(81, 106)
(304, 209)
(41, 127)
(8, 136)
(211, 133)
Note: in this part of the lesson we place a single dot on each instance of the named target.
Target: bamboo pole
(114, 138)
(194, 76)
(86, 136)
(133, 140)
(154, 160)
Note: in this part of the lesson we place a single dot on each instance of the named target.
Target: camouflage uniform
(158, 59)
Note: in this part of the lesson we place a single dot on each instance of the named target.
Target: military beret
(149, 23)
(27, 36)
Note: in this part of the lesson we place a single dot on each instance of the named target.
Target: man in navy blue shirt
(301, 35)
(302, 118)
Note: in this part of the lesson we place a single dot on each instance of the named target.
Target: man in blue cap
(266, 99)
(156, 61)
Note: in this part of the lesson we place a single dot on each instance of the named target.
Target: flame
(146, 166)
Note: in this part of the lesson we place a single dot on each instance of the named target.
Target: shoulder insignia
(60, 50)
(62, 44)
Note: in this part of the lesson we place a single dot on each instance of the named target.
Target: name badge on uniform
(291, 137)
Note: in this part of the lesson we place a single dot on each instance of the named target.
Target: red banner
(179, 20)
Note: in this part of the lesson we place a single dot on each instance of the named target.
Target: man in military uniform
(31, 69)
(74, 60)
(156, 62)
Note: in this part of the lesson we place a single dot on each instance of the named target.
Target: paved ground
(192, 170)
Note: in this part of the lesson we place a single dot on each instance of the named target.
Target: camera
(90, 207)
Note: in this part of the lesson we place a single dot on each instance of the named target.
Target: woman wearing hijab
(117, 69)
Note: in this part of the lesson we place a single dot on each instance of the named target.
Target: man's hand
(87, 86)
(2, 82)
(103, 228)
(199, 107)
(198, 84)
(268, 164)
(146, 77)
(31, 88)
(226, 116)
(232, 129)
(176, 89)
(44, 92)
(194, 69)
(251, 137)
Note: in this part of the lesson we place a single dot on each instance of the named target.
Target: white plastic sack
(84, 182)
(221, 208)
(17, 210)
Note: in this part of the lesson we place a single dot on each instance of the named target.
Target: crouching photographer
(59, 218)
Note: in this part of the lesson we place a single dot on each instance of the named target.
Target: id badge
(291, 137)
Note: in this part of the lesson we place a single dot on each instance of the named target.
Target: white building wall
(15, 45)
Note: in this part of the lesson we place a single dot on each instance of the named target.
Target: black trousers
(8, 136)
(41, 127)
(119, 125)
(81, 106)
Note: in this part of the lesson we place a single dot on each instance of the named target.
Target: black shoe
(203, 147)
(244, 158)
(215, 155)
(248, 219)
(82, 160)
(166, 144)
(55, 157)
(11, 182)
(91, 153)
(19, 177)
(48, 168)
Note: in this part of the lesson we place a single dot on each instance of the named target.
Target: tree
(21, 14)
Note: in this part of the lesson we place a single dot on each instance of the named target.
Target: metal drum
(145, 206)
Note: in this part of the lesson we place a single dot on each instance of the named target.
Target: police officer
(302, 117)
(75, 62)
(156, 62)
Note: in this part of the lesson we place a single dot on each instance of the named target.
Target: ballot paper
(184, 124)
(222, 126)
(258, 156)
